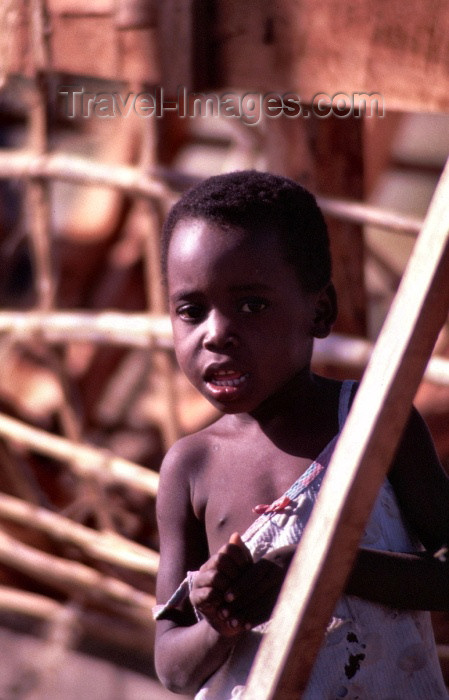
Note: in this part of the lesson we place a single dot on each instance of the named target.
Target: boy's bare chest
(237, 481)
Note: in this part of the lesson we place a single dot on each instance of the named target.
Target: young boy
(248, 271)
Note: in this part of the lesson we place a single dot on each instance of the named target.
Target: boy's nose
(218, 333)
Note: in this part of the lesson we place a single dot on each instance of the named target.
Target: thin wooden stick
(9, 17)
(17, 476)
(103, 546)
(347, 351)
(107, 327)
(81, 459)
(149, 331)
(82, 171)
(25, 603)
(37, 193)
(163, 363)
(75, 579)
(21, 163)
(328, 546)
(38, 205)
(68, 416)
(367, 214)
(136, 635)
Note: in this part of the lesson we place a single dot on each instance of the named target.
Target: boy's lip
(225, 382)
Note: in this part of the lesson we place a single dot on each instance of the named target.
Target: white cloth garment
(371, 652)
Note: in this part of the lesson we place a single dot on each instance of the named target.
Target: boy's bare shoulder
(192, 452)
(188, 462)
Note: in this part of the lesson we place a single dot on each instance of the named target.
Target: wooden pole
(82, 171)
(82, 459)
(38, 193)
(15, 163)
(77, 580)
(102, 546)
(354, 353)
(108, 627)
(150, 331)
(140, 330)
(328, 547)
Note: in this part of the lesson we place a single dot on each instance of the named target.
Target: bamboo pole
(17, 477)
(82, 171)
(150, 331)
(366, 214)
(164, 364)
(9, 18)
(16, 163)
(83, 460)
(37, 191)
(77, 580)
(106, 327)
(346, 351)
(361, 458)
(135, 635)
(103, 546)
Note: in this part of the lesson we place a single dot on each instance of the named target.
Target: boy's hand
(251, 598)
(214, 580)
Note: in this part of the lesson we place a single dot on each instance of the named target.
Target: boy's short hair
(259, 201)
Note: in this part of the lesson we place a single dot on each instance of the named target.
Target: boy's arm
(401, 581)
(414, 581)
(186, 651)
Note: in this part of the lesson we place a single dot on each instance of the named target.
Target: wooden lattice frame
(38, 167)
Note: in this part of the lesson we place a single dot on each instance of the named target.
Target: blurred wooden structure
(359, 48)
(75, 515)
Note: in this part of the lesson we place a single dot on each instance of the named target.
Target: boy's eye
(252, 306)
(190, 312)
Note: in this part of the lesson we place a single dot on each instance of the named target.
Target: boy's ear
(325, 311)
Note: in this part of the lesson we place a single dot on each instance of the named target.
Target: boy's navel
(222, 522)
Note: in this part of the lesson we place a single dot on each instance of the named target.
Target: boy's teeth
(219, 378)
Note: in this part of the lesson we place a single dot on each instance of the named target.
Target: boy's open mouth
(226, 378)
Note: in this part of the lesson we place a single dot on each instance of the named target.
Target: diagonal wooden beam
(361, 459)
(82, 459)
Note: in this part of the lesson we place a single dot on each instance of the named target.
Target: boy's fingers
(235, 558)
(225, 568)
(226, 626)
(217, 574)
(231, 558)
(237, 626)
(254, 606)
(204, 597)
(213, 580)
(254, 584)
(236, 540)
(231, 628)
(236, 545)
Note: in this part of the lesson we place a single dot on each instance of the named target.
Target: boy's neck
(301, 418)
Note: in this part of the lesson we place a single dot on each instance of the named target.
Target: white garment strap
(344, 402)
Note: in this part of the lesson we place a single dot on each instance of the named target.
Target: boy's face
(242, 324)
